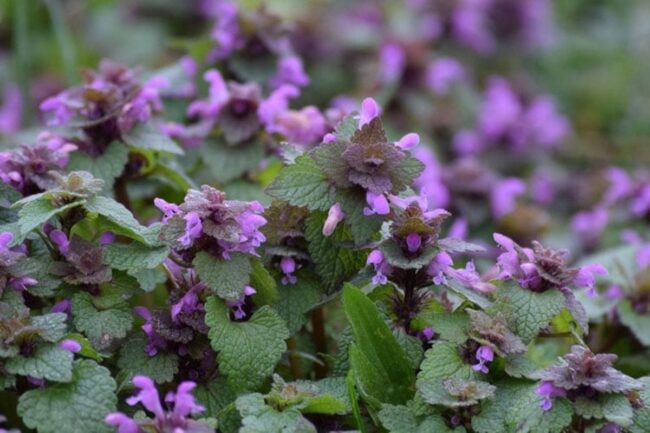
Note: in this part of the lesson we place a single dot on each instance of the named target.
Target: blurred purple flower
(443, 73)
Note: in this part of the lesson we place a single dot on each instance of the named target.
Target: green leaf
(401, 419)
(78, 406)
(149, 279)
(515, 409)
(328, 396)
(296, 300)
(529, 311)
(303, 184)
(107, 166)
(134, 256)
(248, 351)
(381, 367)
(335, 262)
(642, 415)
(87, 349)
(34, 213)
(395, 256)
(257, 417)
(617, 409)
(452, 327)
(409, 168)
(37, 268)
(133, 360)
(101, 327)
(218, 399)
(363, 227)
(264, 283)
(346, 128)
(48, 362)
(225, 278)
(455, 392)
(51, 327)
(638, 324)
(120, 219)
(227, 163)
(148, 136)
(444, 361)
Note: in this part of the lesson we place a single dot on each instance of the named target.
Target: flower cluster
(206, 220)
(175, 418)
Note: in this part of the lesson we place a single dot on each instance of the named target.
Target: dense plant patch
(239, 242)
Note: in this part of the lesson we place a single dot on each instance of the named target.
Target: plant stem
(121, 193)
(319, 339)
(293, 359)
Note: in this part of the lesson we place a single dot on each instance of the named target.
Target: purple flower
(413, 242)
(168, 209)
(64, 306)
(470, 278)
(620, 185)
(430, 180)
(193, 229)
(238, 305)
(146, 102)
(174, 420)
(542, 188)
(391, 62)
(382, 268)
(334, 216)
(275, 104)
(614, 293)
(589, 225)
(5, 240)
(377, 204)
(369, 110)
(585, 277)
(301, 127)
(290, 71)
(544, 125)
(442, 73)
(328, 138)
(426, 334)
(640, 205)
(225, 32)
(439, 266)
(548, 391)
(409, 141)
(288, 266)
(60, 108)
(504, 195)
(468, 142)
(61, 241)
(500, 109)
(484, 354)
(218, 96)
(469, 26)
(70, 345)
(155, 341)
(188, 303)
(11, 109)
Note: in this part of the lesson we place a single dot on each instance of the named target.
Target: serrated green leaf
(363, 227)
(295, 300)
(329, 396)
(381, 366)
(396, 257)
(642, 415)
(51, 326)
(227, 163)
(225, 278)
(515, 408)
(78, 406)
(529, 311)
(133, 360)
(134, 256)
(257, 417)
(264, 284)
(107, 166)
(148, 136)
(119, 218)
(335, 262)
(149, 279)
(452, 327)
(248, 351)
(101, 327)
(638, 324)
(37, 268)
(617, 409)
(37, 212)
(401, 419)
(444, 361)
(49, 362)
(219, 399)
(447, 392)
(303, 184)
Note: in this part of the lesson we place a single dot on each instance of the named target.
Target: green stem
(63, 39)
